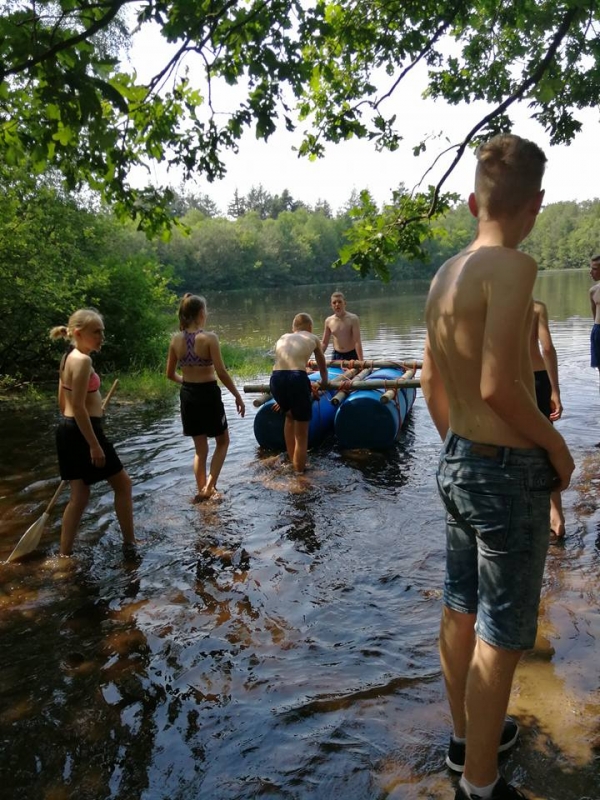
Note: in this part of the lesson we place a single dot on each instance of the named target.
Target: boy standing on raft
(345, 329)
(500, 461)
(291, 387)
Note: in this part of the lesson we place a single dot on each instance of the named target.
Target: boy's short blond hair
(302, 322)
(509, 174)
(338, 294)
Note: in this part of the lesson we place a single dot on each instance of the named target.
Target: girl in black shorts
(197, 354)
(85, 455)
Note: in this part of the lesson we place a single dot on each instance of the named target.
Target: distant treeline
(59, 252)
(274, 240)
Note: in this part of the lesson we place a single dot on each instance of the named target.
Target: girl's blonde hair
(190, 307)
(78, 320)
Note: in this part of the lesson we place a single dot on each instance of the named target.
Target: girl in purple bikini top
(191, 359)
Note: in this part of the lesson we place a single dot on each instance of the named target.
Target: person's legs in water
(200, 459)
(216, 465)
(121, 484)
(80, 495)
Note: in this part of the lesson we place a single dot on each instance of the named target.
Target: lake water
(281, 643)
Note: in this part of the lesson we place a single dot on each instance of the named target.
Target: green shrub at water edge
(145, 383)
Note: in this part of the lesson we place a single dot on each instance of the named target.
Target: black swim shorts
(351, 355)
(74, 459)
(202, 410)
(291, 390)
(543, 392)
(595, 346)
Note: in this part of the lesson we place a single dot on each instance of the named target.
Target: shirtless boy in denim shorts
(500, 461)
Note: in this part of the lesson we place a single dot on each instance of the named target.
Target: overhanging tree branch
(532, 80)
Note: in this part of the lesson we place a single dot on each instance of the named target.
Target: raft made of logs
(364, 409)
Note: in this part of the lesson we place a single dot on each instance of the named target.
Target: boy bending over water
(291, 387)
(500, 461)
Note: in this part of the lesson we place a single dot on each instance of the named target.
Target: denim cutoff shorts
(497, 535)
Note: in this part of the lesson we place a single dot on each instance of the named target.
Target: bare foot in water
(204, 495)
(558, 531)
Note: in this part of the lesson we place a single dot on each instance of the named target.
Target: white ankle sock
(483, 792)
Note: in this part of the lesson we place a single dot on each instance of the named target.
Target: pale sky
(571, 172)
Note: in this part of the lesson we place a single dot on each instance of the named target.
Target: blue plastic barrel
(363, 421)
(268, 424)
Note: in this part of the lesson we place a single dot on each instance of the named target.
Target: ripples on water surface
(282, 642)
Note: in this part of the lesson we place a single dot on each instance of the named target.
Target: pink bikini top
(191, 359)
(93, 384)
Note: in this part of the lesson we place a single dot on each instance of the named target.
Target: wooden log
(376, 383)
(343, 393)
(266, 389)
(260, 401)
(403, 363)
(345, 376)
(390, 394)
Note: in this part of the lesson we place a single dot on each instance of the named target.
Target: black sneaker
(502, 791)
(455, 759)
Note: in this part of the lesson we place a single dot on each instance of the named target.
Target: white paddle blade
(30, 539)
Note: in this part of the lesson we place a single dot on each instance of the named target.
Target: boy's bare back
(293, 350)
(478, 317)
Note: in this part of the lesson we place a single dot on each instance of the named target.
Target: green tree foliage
(299, 247)
(565, 235)
(55, 257)
(67, 99)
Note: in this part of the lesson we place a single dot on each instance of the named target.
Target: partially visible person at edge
(500, 461)
(85, 455)
(595, 305)
(547, 392)
(291, 387)
(197, 354)
(345, 329)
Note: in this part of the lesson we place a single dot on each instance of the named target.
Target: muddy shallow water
(280, 642)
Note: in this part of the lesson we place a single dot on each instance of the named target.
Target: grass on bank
(145, 384)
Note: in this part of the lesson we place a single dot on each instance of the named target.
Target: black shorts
(543, 392)
(291, 390)
(202, 410)
(351, 355)
(74, 459)
(595, 346)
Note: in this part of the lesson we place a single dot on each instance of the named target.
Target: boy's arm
(326, 336)
(593, 302)
(321, 363)
(550, 360)
(434, 392)
(222, 374)
(356, 338)
(509, 297)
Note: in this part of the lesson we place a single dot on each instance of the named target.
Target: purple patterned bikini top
(190, 358)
